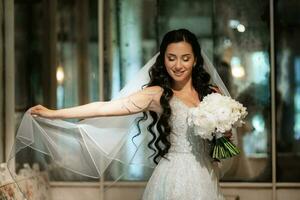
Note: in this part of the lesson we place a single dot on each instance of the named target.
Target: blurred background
(62, 53)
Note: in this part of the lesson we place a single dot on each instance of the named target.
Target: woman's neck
(184, 86)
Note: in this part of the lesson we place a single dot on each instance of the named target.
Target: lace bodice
(182, 137)
(188, 172)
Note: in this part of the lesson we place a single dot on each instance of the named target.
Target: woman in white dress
(178, 82)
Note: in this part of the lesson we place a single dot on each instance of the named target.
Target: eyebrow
(170, 54)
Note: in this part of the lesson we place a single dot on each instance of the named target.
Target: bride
(178, 83)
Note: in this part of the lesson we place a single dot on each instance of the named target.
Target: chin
(179, 79)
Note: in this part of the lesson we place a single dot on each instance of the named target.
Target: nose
(178, 65)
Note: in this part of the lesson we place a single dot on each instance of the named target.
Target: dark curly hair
(159, 76)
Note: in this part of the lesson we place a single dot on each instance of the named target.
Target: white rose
(216, 113)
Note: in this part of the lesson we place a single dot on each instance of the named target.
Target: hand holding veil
(91, 145)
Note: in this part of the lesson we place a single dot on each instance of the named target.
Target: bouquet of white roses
(214, 116)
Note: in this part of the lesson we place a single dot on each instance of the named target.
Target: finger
(34, 112)
(227, 134)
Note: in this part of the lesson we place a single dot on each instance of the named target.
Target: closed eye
(186, 58)
(171, 58)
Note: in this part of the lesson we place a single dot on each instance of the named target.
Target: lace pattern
(187, 173)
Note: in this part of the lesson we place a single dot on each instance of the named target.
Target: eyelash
(173, 59)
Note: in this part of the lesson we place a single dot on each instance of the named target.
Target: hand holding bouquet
(215, 115)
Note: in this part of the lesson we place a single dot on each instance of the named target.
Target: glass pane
(93, 52)
(287, 27)
(241, 51)
(2, 89)
(56, 48)
(67, 67)
(32, 69)
(130, 40)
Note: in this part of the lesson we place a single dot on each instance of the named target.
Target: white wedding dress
(188, 173)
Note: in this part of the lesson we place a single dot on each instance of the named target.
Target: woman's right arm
(143, 100)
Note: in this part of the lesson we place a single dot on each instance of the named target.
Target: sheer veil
(90, 146)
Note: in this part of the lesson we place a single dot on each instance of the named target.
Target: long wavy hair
(160, 144)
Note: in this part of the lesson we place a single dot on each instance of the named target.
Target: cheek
(168, 70)
(167, 62)
(168, 65)
(189, 65)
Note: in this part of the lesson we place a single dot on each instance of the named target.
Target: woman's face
(179, 61)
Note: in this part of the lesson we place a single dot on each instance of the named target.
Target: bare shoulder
(153, 89)
(215, 89)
